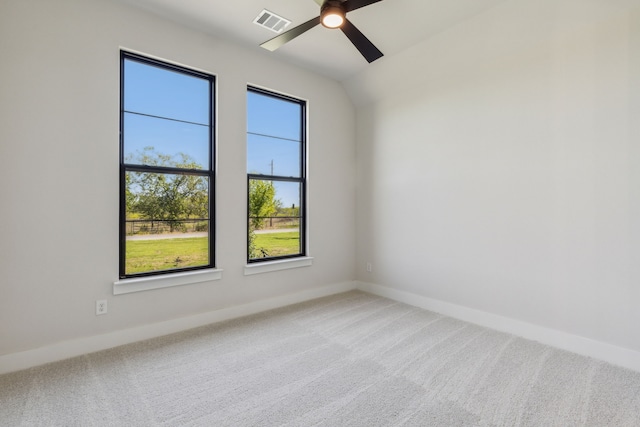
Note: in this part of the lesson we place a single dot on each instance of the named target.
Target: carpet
(352, 359)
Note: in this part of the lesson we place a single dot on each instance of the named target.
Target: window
(166, 168)
(276, 151)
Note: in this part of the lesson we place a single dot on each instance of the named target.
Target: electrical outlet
(369, 267)
(101, 307)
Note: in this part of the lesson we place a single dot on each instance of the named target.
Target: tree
(167, 197)
(262, 204)
(262, 201)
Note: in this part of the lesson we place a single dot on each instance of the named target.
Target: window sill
(127, 286)
(269, 266)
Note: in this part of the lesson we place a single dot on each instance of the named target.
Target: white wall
(59, 101)
(499, 167)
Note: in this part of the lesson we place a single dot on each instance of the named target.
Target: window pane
(274, 218)
(164, 93)
(182, 144)
(167, 221)
(158, 252)
(167, 197)
(268, 115)
(272, 156)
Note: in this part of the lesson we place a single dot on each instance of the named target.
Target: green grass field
(277, 244)
(166, 254)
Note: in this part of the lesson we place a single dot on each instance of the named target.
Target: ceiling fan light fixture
(332, 14)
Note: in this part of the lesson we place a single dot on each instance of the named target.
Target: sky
(159, 94)
(154, 95)
(274, 142)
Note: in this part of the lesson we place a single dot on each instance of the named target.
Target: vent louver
(271, 21)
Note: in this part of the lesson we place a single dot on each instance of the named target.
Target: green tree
(262, 204)
(262, 201)
(168, 197)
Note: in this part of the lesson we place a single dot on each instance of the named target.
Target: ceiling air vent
(271, 21)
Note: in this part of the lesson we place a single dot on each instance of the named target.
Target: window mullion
(166, 170)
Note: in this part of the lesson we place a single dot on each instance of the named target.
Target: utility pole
(271, 218)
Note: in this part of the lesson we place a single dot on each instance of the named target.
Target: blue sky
(273, 142)
(273, 124)
(162, 93)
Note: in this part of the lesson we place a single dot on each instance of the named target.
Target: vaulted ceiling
(392, 25)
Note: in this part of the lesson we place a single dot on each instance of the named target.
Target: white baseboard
(619, 356)
(63, 350)
(77, 347)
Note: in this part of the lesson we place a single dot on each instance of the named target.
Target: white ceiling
(392, 25)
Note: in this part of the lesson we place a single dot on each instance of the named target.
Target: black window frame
(302, 180)
(208, 172)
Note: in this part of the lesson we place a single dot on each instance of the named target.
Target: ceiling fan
(332, 15)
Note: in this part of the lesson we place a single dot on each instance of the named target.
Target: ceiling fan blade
(287, 36)
(366, 48)
(357, 4)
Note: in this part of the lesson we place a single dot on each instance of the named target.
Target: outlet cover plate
(101, 307)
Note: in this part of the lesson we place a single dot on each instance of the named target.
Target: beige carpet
(348, 360)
